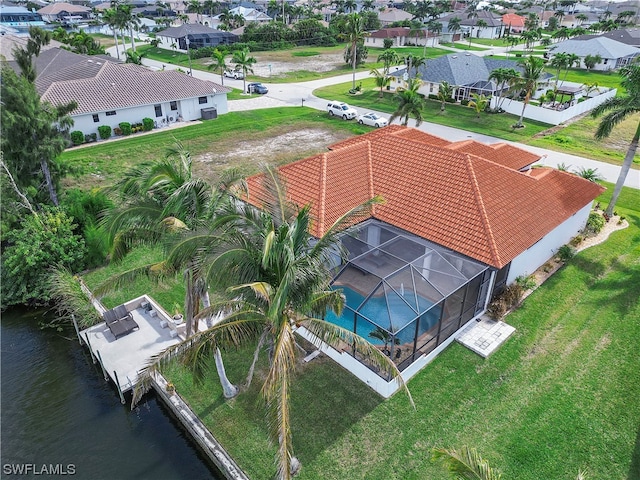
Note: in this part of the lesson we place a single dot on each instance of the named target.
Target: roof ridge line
(323, 192)
(372, 192)
(483, 212)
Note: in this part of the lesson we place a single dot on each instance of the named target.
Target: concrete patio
(485, 335)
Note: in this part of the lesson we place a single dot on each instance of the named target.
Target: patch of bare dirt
(324, 62)
(249, 154)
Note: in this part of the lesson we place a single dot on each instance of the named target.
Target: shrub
(509, 298)
(77, 137)
(497, 308)
(433, 96)
(90, 137)
(547, 267)
(125, 127)
(526, 283)
(147, 124)
(577, 240)
(104, 131)
(464, 102)
(566, 253)
(117, 131)
(595, 223)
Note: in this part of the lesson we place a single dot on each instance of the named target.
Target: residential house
(469, 26)
(614, 54)
(197, 36)
(513, 23)
(14, 19)
(251, 15)
(108, 92)
(460, 221)
(628, 36)
(393, 15)
(401, 36)
(65, 13)
(465, 72)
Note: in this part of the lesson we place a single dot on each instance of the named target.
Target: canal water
(59, 413)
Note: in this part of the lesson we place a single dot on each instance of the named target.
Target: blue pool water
(391, 312)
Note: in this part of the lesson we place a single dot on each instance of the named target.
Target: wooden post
(75, 324)
(115, 376)
(106, 377)
(90, 349)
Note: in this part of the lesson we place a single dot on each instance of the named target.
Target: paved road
(297, 94)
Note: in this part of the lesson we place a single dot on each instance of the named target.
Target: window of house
(96, 118)
(174, 105)
(605, 61)
(111, 113)
(202, 100)
(158, 110)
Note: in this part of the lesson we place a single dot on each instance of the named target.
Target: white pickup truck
(341, 109)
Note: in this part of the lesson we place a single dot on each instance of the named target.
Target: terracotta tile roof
(396, 130)
(475, 206)
(513, 20)
(99, 85)
(502, 153)
(58, 7)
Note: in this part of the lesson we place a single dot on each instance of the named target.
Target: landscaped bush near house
(117, 131)
(566, 252)
(595, 223)
(77, 137)
(432, 96)
(90, 137)
(464, 102)
(104, 131)
(509, 298)
(147, 124)
(527, 283)
(577, 240)
(125, 127)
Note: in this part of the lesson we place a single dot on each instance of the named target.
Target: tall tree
(445, 92)
(388, 57)
(277, 277)
(381, 80)
(533, 67)
(243, 60)
(504, 78)
(413, 63)
(410, 103)
(354, 34)
(559, 61)
(617, 109)
(572, 60)
(218, 63)
(38, 134)
(110, 17)
(454, 26)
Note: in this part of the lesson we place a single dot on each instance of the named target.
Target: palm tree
(242, 59)
(465, 463)
(479, 103)
(413, 62)
(445, 92)
(617, 109)
(503, 77)
(388, 57)
(381, 79)
(528, 81)
(572, 59)
(110, 16)
(410, 102)
(453, 26)
(218, 63)
(277, 278)
(354, 33)
(559, 61)
(480, 24)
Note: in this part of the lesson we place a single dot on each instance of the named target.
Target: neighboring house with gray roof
(466, 72)
(614, 54)
(197, 35)
(108, 92)
(628, 36)
(469, 26)
(64, 12)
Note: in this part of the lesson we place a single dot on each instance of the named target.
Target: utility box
(209, 113)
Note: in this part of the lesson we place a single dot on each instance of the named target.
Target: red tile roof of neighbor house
(474, 204)
(513, 20)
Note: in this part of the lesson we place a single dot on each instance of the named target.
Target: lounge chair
(120, 321)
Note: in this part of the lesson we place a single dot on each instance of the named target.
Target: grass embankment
(104, 162)
(454, 115)
(557, 397)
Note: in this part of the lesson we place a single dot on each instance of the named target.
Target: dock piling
(93, 358)
(75, 324)
(115, 376)
(104, 372)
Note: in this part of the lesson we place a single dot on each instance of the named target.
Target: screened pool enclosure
(404, 294)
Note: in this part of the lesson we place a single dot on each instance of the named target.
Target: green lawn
(490, 42)
(559, 396)
(102, 163)
(454, 115)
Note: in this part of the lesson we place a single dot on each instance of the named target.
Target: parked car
(373, 120)
(341, 109)
(235, 74)
(257, 87)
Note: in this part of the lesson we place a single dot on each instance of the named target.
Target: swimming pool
(391, 312)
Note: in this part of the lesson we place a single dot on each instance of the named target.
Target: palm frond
(465, 464)
(69, 298)
(335, 336)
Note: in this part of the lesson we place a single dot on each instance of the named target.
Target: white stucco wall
(529, 260)
(189, 109)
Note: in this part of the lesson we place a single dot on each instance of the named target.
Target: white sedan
(373, 120)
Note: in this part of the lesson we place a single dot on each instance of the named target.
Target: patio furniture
(120, 321)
